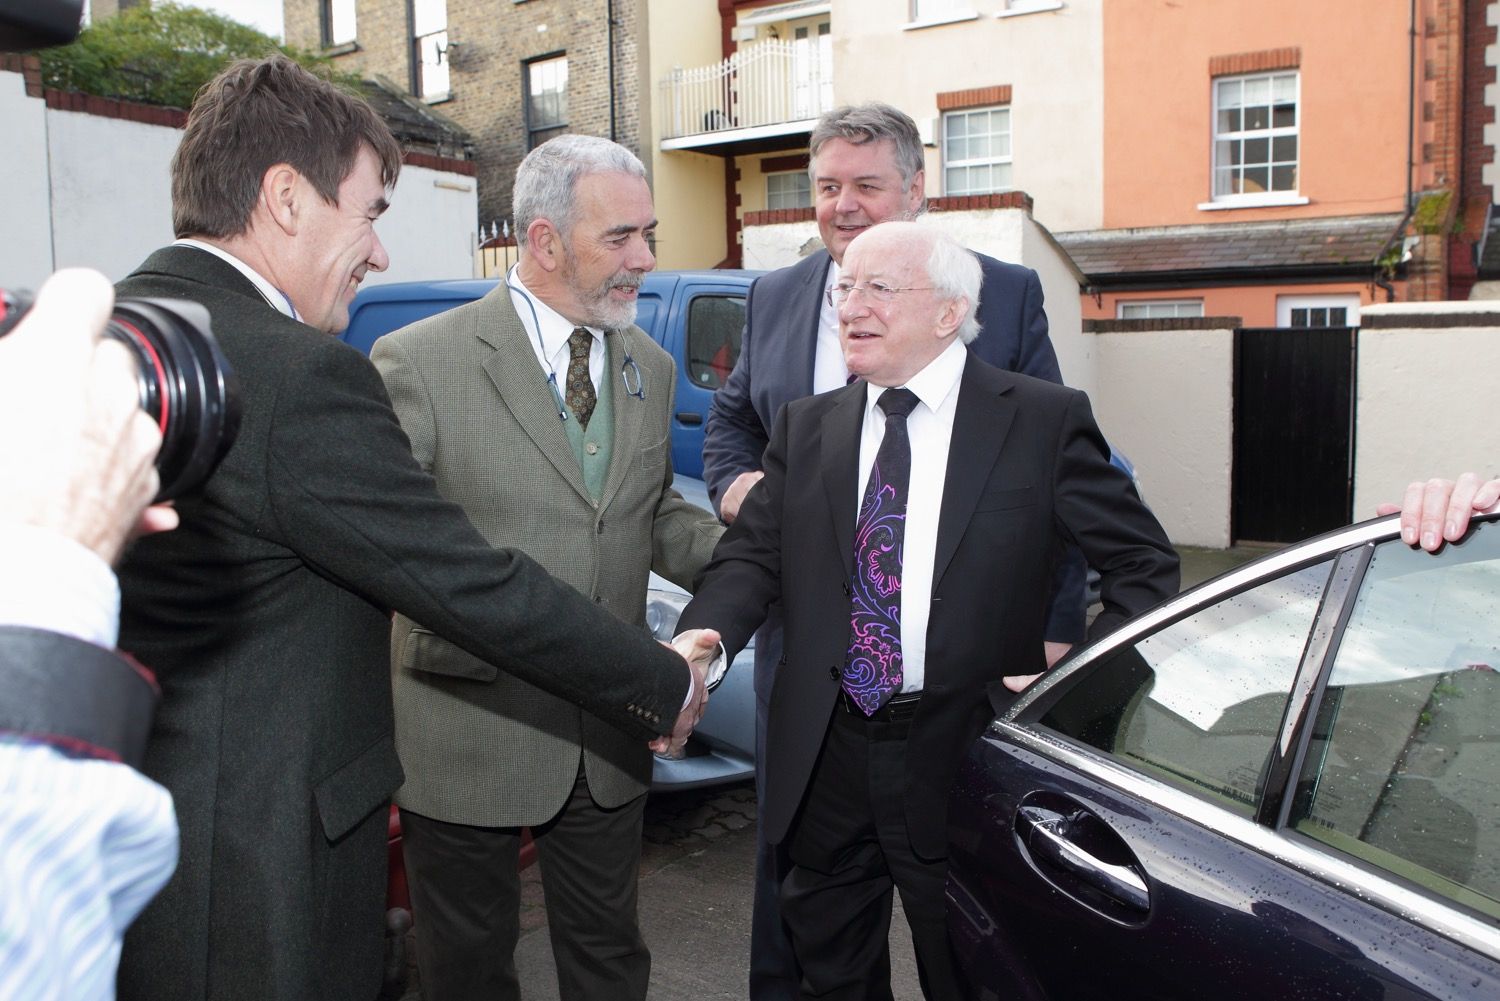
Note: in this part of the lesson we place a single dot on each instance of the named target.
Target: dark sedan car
(1282, 784)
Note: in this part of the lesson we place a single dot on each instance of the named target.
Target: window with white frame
(1317, 310)
(1158, 309)
(429, 43)
(976, 151)
(933, 10)
(337, 22)
(790, 190)
(1255, 136)
(546, 99)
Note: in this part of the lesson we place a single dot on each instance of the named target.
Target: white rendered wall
(86, 190)
(767, 248)
(111, 190)
(1425, 404)
(1165, 399)
(26, 232)
(429, 229)
(1060, 282)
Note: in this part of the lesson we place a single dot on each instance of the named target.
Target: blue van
(696, 315)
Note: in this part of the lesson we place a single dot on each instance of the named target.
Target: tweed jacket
(481, 746)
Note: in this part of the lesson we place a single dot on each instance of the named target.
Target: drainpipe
(1411, 161)
(609, 44)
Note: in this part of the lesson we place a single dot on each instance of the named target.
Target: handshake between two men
(701, 649)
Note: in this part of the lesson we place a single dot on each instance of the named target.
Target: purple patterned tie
(873, 671)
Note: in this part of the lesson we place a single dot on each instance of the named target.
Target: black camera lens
(185, 384)
(182, 378)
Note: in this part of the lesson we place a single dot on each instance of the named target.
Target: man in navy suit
(866, 168)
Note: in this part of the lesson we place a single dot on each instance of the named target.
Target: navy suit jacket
(775, 367)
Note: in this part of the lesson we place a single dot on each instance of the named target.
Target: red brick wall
(1255, 62)
(978, 97)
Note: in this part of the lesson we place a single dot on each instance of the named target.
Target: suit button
(834, 672)
(591, 448)
(598, 599)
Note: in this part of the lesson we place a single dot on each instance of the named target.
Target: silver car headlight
(663, 608)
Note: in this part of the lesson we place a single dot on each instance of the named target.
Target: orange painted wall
(1254, 304)
(1158, 104)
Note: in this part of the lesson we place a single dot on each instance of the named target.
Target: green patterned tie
(580, 395)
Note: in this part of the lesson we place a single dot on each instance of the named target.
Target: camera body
(38, 24)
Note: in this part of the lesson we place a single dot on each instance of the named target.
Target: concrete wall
(1165, 399)
(780, 244)
(429, 228)
(1052, 60)
(79, 189)
(111, 190)
(26, 250)
(1076, 354)
(1425, 396)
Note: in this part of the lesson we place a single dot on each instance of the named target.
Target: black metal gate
(1293, 432)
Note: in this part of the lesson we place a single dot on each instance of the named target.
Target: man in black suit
(866, 168)
(266, 614)
(904, 610)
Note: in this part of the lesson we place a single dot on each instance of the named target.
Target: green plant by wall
(162, 54)
(1431, 211)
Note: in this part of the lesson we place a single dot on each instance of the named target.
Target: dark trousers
(774, 975)
(466, 896)
(849, 849)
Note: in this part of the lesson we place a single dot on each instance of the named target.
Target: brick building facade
(488, 52)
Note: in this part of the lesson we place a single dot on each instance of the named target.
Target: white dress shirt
(273, 295)
(829, 370)
(51, 582)
(548, 330)
(930, 430)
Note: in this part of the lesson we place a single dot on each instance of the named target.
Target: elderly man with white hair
(908, 524)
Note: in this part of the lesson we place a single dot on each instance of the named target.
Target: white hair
(954, 272)
(549, 176)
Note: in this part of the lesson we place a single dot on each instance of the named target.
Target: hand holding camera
(78, 453)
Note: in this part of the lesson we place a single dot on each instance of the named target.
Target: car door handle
(1120, 882)
(690, 418)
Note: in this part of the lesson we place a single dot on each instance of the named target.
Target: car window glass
(1200, 702)
(713, 337)
(1404, 759)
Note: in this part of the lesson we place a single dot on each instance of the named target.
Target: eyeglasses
(879, 291)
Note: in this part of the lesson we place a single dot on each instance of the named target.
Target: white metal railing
(764, 83)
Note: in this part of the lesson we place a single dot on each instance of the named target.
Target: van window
(713, 338)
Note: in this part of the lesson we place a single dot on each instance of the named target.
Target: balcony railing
(764, 83)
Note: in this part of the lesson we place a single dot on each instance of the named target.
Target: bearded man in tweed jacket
(543, 411)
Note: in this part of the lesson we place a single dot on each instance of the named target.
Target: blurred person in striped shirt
(85, 839)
